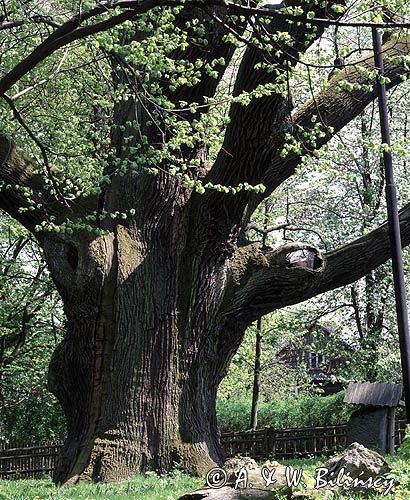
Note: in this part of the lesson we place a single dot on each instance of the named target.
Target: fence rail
(40, 460)
(285, 443)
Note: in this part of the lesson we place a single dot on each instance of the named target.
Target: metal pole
(394, 227)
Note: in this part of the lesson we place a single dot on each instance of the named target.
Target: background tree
(30, 319)
(139, 189)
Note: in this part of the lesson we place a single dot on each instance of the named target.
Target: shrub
(303, 411)
(404, 450)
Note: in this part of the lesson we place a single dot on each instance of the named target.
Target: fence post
(270, 442)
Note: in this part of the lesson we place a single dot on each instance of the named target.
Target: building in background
(311, 350)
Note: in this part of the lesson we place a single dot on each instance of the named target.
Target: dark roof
(374, 394)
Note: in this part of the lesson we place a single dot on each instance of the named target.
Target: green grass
(170, 487)
(143, 487)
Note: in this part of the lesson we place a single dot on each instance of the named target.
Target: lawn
(170, 487)
(143, 487)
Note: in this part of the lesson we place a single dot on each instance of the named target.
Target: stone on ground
(357, 460)
(256, 486)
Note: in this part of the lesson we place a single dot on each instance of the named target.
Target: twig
(41, 82)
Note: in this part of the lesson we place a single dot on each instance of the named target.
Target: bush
(303, 411)
(36, 419)
(405, 445)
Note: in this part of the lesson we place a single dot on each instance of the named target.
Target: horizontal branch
(37, 19)
(263, 281)
(268, 229)
(351, 262)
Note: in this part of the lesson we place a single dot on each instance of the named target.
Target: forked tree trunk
(155, 311)
(157, 307)
(138, 369)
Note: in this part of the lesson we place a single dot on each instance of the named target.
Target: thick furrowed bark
(149, 415)
(135, 372)
(82, 271)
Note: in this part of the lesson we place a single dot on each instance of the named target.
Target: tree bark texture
(138, 369)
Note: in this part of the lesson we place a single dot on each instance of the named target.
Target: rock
(229, 493)
(256, 485)
(257, 477)
(357, 460)
(233, 465)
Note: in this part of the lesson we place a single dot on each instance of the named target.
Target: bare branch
(38, 19)
(41, 82)
(267, 230)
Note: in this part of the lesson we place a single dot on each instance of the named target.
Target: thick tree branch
(73, 30)
(248, 139)
(23, 193)
(253, 129)
(216, 48)
(334, 109)
(264, 281)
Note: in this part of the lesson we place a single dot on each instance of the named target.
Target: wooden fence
(291, 443)
(399, 432)
(28, 462)
(285, 443)
(39, 461)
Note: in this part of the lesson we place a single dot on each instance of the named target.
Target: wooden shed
(373, 424)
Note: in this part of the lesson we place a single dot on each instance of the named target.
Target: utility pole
(394, 225)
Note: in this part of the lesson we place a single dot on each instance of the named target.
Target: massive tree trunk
(158, 304)
(138, 369)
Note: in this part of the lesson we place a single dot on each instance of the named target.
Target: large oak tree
(157, 301)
